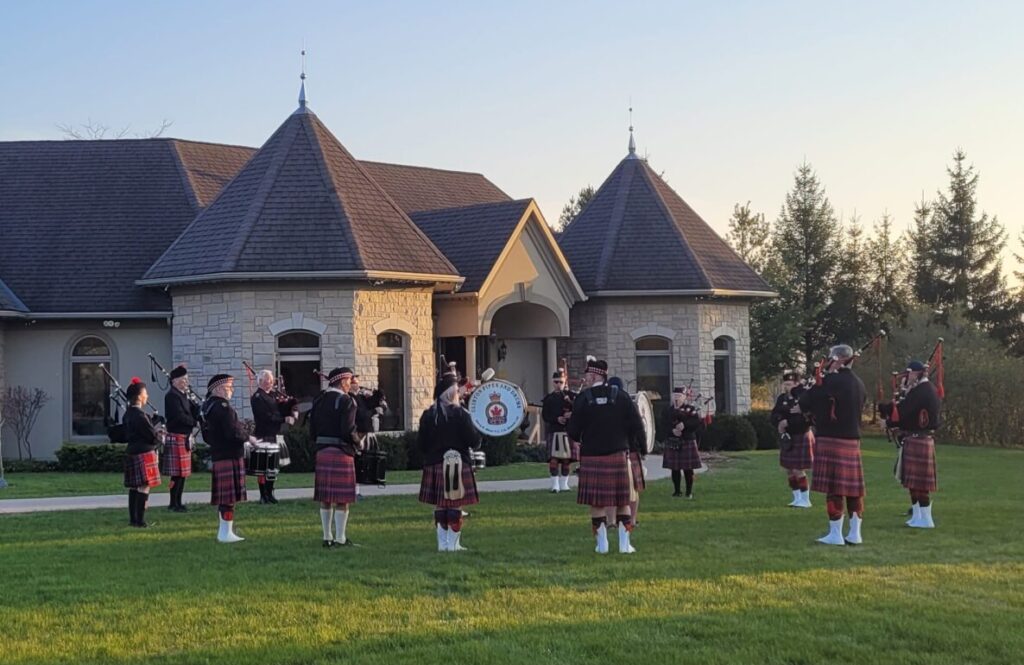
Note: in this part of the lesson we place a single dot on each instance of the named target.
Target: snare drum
(264, 460)
(478, 458)
(371, 467)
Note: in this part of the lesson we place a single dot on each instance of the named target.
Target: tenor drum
(643, 404)
(263, 459)
(497, 407)
(371, 463)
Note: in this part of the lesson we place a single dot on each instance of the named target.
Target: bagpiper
(446, 436)
(225, 434)
(916, 417)
(556, 409)
(332, 427)
(141, 468)
(835, 406)
(796, 448)
(605, 421)
(269, 413)
(182, 414)
(684, 425)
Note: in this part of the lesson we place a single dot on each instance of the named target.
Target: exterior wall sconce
(502, 351)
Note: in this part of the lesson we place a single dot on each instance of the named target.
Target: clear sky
(729, 97)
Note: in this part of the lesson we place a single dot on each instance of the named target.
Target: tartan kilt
(917, 471)
(636, 464)
(574, 449)
(335, 477)
(800, 454)
(227, 482)
(432, 487)
(142, 470)
(604, 481)
(684, 458)
(837, 467)
(176, 459)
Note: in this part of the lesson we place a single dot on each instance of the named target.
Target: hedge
(767, 435)
(729, 432)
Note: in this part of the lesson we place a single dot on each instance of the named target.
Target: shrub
(82, 457)
(200, 457)
(729, 432)
(301, 450)
(28, 466)
(529, 453)
(500, 450)
(397, 450)
(767, 436)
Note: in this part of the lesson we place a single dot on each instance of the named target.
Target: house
(298, 257)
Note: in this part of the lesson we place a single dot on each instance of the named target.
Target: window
(391, 378)
(298, 360)
(90, 388)
(724, 376)
(654, 373)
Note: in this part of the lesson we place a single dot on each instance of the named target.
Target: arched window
(90, 388)
(391, 378)
(725, 372)
(298, 360)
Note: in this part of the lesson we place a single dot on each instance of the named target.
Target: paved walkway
(48, 504)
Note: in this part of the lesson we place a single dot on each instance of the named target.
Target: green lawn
(732, 577)
(35, 485)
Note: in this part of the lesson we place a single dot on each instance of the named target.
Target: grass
(37, 485)
(732, 577)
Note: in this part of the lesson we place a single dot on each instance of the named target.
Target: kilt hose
(681, 455)
(636, 464)
(227, 482)
(800, 454)
(176, 460)
(917, 471)
(335, 477)
(604, 480)
(837, 467)
(142, 470)
(432, 487)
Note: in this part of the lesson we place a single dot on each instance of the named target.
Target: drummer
(268, 416)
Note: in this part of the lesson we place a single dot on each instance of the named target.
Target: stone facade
(609, 327)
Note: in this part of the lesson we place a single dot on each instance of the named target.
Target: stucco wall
(38, 356)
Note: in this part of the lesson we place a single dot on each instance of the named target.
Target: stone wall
(608, 328)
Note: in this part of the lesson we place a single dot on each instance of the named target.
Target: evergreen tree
(848, 318)
(888, 295)
(807, 240)
(572, 209)
(921, 274)
(749, 234)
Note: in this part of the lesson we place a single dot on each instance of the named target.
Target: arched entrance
(520, 345)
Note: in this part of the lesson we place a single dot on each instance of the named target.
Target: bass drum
(497, 407)
(643, 404)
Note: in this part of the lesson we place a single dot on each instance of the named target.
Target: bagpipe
(115, 428)
(934, 370)
(568, 394)
(192, 395)
(825, 364)
(286, 404)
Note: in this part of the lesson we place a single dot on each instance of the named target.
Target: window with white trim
(298, 361)
(90, 388)
(391, 378)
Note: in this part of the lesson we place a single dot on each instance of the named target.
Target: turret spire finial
(632, 141)
(302, 79)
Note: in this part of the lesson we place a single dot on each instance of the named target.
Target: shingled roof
(418, 188)
(302, 206)
(636, 216)
(82, 220)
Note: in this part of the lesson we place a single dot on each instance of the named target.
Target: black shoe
(271, 498)
(677, 493)
(348, 543)
(329, 544)
(142, 525)
(180, 509)
(690, 496)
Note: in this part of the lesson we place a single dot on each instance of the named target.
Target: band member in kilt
(835, 407)
(796, 449)
(605, 421)
(141, 466)
(684, 425)
(637, 453)
(556, 409)
(225, 434)
(916, 418)
(182, 416)
(332, 427)
(269, 414)
(446, 435)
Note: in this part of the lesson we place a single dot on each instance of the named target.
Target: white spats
(563, 483)
(442, 538)
(602, 539)
(853, 537)
(624, 545)
(325, 521)
(923, 518)
(455, 541)
(835, 533)
(801, 499)
(555, 485)
(795, 503)
(227, 532)
(915, 515)
(340, 522)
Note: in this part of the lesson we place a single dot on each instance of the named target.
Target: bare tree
(21, 407)
(96, 131)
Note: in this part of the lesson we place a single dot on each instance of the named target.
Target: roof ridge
(614, 224)
(649, 176)
(186, 177)
(483, 204)
(422, 168)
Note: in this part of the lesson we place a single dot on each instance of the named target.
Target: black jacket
(798, 423)
(448, 429)
(835, 406)
(180, 412)
(223, 432)
(364, 419)
(920, 410)
(332, 422)
(555, 404)
(604, 425)
(139, 432)
(689, 416)
(266, 415)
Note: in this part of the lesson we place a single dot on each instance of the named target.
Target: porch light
(502, 351)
